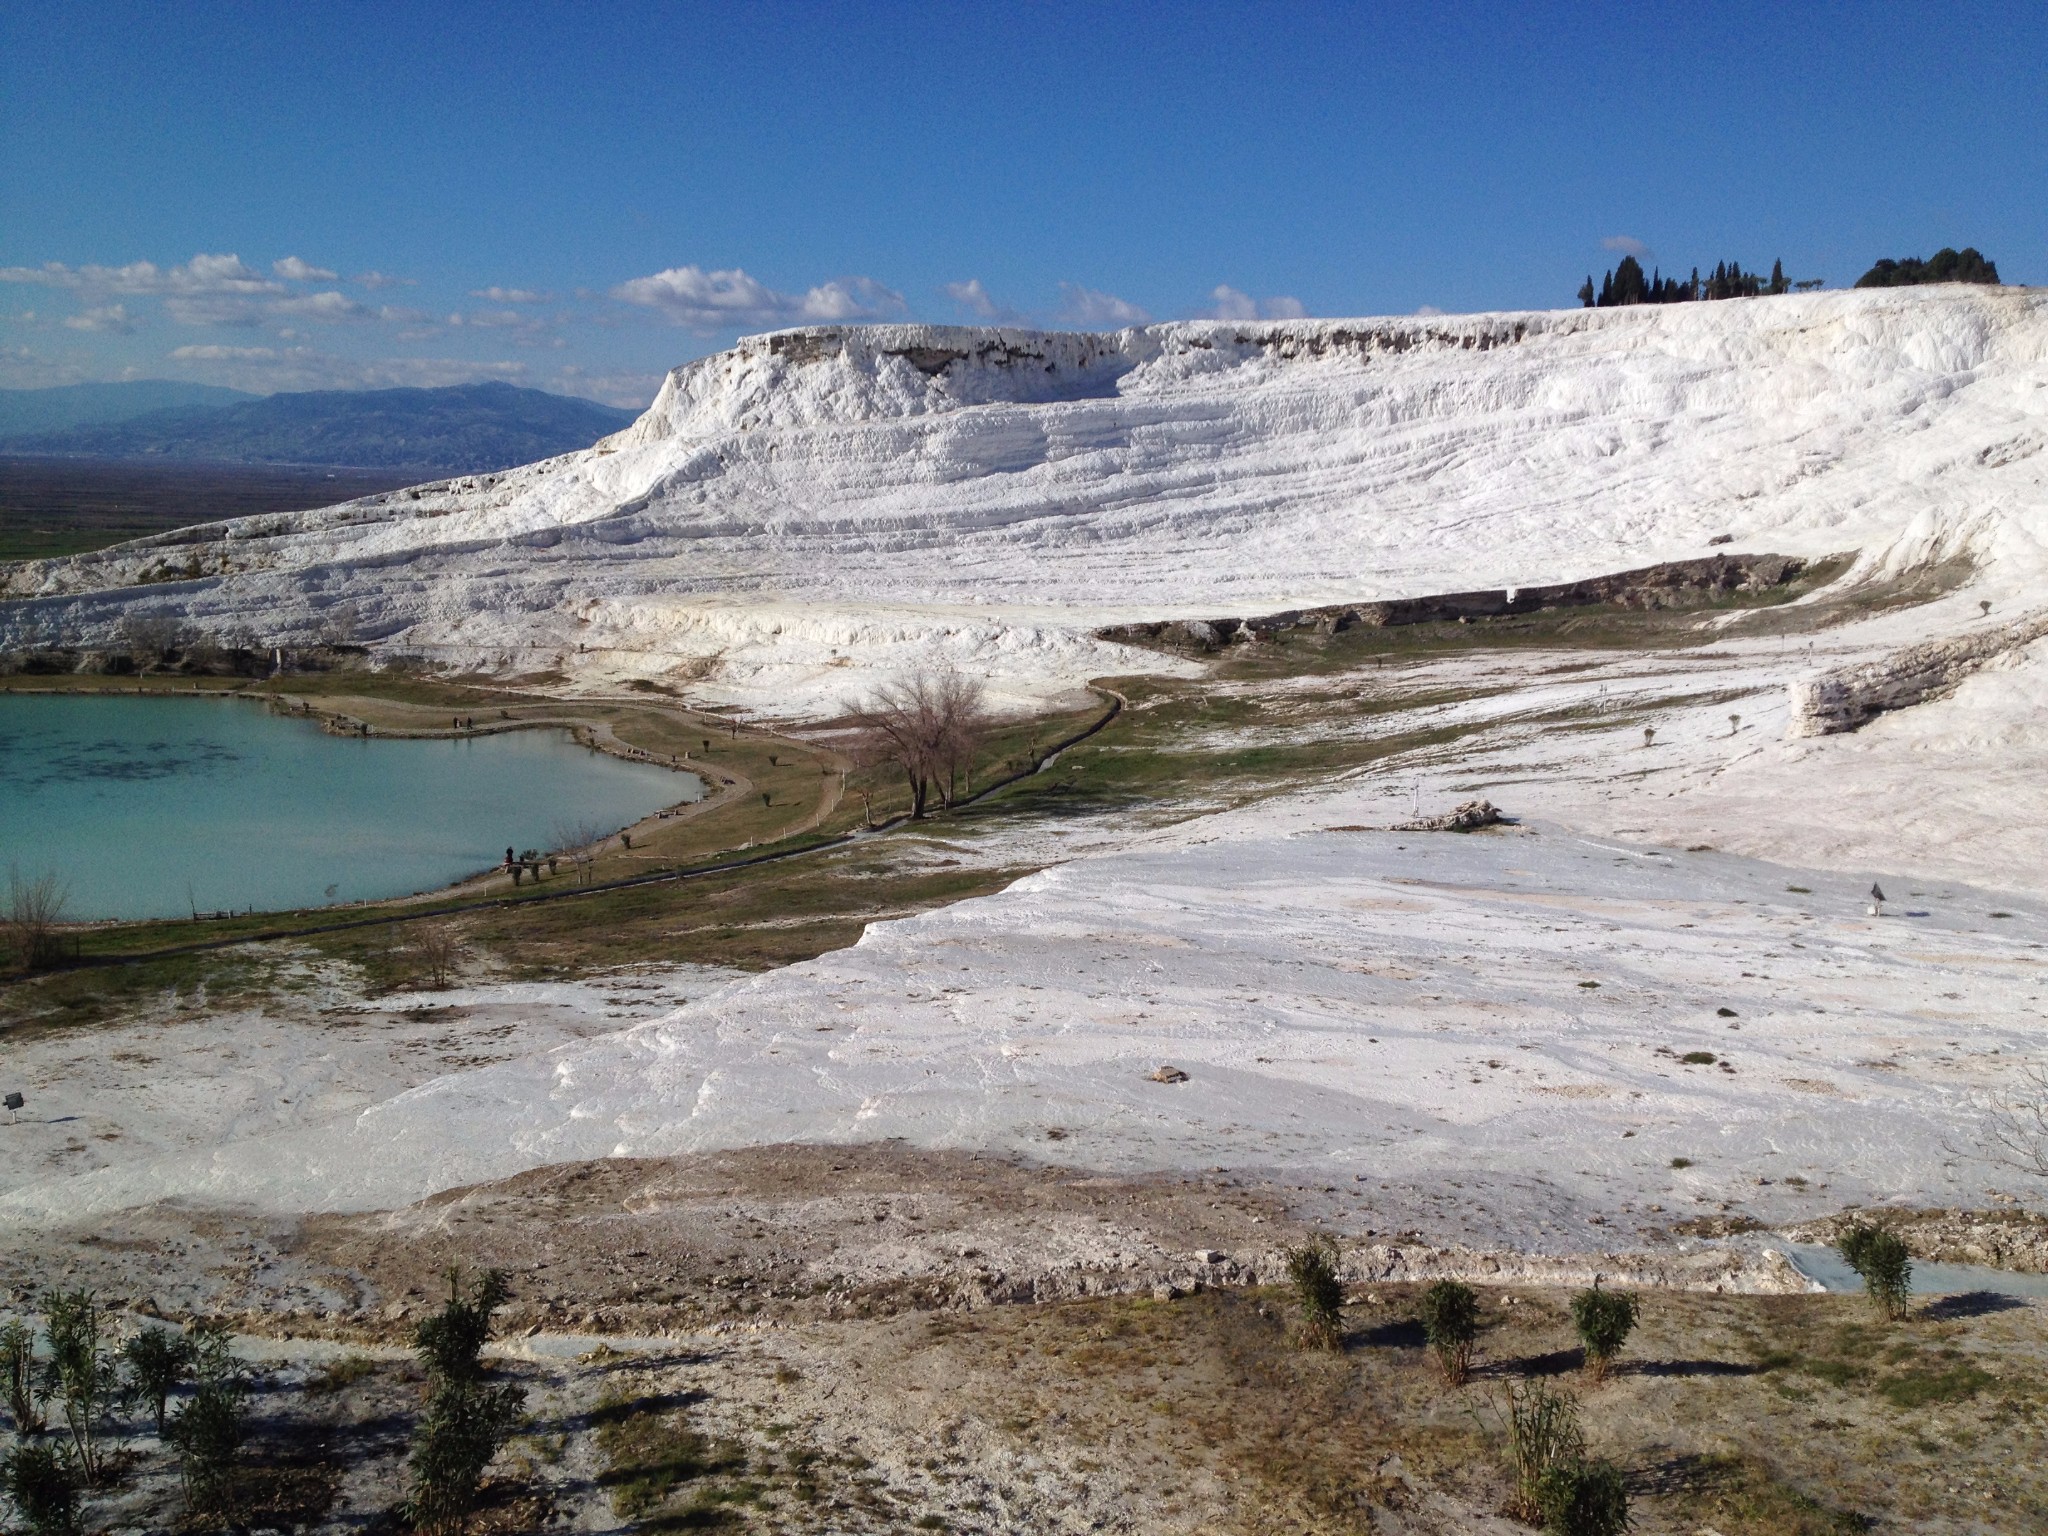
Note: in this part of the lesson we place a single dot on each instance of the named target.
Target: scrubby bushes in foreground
(1604, 1320)
(1450, 1322)
(1319, 1295)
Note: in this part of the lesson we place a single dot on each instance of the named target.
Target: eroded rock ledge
(1673, 584)
(1848, 698)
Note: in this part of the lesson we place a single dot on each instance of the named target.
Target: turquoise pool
(150, 807)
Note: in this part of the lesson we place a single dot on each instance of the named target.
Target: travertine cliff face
(816, 504)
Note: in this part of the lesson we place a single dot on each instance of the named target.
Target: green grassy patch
(1743, 1496)
(1927, 1388)
(649, 1451)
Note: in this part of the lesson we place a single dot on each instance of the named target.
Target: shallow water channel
(154, 807)
(1826, 1267)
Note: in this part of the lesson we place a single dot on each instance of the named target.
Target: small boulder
(1166, 1074)
(1468, 817)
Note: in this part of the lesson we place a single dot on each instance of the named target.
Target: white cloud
(727, 300)
(1233, 304)
(499, 320)
(976, 301)
(1626, 245)
(213, 352)
(25, 368)
(972, 297)
(525, 330)
(628, 390)
(214, 309)
(109, 318)
(383, 280)
(329, 308)
(207, 290)
(1090, 306)
(497, 295)
(276, 368)
(1427, 312)
(202, 276)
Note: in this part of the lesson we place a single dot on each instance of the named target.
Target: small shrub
(1879, 1256)
(465, 1425)
(157, 1360)
(1604, 1320)
(434, 953)
(82, 1377)
(18, 1377)
(42, 1481)
(1583, 1498)
(209, 1428)
(1543, 1435)
(449, 1342)
(1698, 1058)
(1681, 1162)
(1312, 1269)
(467, 1421)
(1450, 1321)
(31, 919)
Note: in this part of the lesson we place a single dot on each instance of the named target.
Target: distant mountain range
(23, 411)
(462, 429)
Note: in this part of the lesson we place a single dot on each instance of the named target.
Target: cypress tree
(1586, 293)
(1629, 284)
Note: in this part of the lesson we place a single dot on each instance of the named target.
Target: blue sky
(581, 196)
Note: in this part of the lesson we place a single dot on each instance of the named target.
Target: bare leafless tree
(35, 907)
(927, 725)
(578, 841)
(151, 637)
(435, 953)
(963, 715)
(338, 624)
(2016, 1126)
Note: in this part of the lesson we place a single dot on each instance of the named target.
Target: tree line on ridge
(1627, 283)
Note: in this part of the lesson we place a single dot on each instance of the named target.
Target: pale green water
(147, 807)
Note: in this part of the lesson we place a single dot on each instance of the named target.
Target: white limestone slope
(794, 515)
(1485, 1035)
(815, 504)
